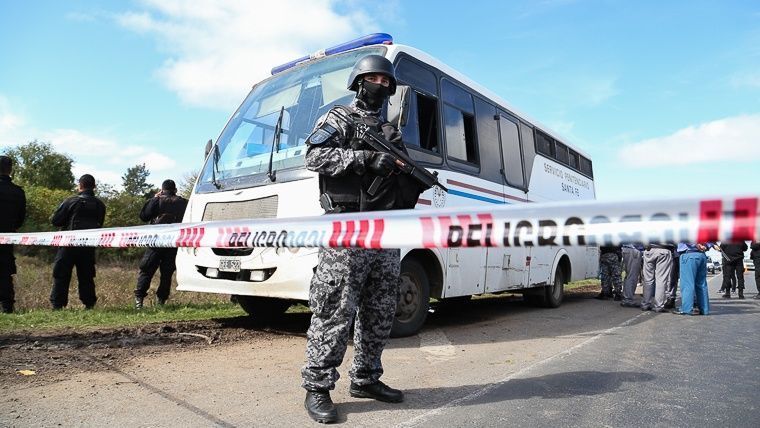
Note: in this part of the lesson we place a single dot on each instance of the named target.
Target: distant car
(713, 266)
(749, 264)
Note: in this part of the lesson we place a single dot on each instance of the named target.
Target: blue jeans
(693, 276)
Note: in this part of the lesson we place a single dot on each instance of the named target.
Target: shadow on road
(501, 318)
(720, 307)
(558, 385)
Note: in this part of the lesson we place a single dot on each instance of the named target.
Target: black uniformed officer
(733, 267)
(166, 207)
(755, 256)
(353, 286)
(12, 213)
(83, 211)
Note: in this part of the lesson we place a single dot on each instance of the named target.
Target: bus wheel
(555, 292)
(414, 300)
(263, 309)
(549, 296)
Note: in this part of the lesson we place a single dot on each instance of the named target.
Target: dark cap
(87, 181)
(169, 185)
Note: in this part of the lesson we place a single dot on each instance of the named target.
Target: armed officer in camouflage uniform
(83, 211)
(164, 208)
(610, 272)
(350, 285)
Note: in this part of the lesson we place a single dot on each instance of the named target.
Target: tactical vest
(84, 213)
(171, 209)
(346, 190)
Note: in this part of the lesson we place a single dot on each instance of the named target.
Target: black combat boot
(603, 296)
(741, 293)
(138, 303)
(378, 391)
(726, 295)
(6, 308)
(670, 303)
(320, 407)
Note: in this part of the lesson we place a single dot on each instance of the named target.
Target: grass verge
(40, 320)
(582, 283)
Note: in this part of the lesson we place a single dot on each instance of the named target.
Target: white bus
(484, 151)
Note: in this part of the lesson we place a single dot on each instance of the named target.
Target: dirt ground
(55, 355)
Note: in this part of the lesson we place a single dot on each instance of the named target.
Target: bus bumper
(290, 280)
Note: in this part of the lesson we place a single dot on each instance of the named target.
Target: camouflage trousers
(356, 287)
(610, 272)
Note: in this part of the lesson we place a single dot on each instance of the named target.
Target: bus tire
(262, 309)
(414, 300)
(554, 293)
(549, 296)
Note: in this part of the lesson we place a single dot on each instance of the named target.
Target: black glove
(381, 164)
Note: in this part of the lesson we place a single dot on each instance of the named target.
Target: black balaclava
(372, 94)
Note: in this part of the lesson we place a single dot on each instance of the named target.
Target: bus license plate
(229, 265)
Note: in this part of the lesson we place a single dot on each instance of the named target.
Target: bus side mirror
(209, 145)
(398, 106)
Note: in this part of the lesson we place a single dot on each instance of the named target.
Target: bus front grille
(254, 208)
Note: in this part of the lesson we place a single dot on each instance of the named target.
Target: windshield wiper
(275, 145)
(215, 167)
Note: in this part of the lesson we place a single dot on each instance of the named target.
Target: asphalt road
(494, 362)
(651, 370)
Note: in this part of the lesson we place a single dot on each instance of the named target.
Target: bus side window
(544, 144)
(422, 128)
(586, 168)
(459, 123)
(427, 108)
(529, 150)
(574, 160)
(510, 145)
(562, 156)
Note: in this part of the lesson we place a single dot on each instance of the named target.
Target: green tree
(135, 181)
(38, 164)
(123, 209)
(185, 186)
(41, 203)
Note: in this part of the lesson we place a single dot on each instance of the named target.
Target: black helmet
(372, 64)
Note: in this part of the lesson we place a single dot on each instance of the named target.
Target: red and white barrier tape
(540, 224)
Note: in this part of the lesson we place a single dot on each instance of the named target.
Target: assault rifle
(403, 162)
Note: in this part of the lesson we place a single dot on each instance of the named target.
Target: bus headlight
(283, 250)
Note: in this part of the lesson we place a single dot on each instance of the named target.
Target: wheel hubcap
(409, 299)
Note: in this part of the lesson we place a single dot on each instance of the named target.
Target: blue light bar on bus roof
(370, 39)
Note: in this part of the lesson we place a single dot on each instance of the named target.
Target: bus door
(507, 267)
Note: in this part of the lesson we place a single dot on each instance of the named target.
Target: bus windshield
(303, 94)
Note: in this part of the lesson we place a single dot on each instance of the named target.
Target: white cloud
(749, 79)
(105, 157)
(157, 162)
(701, 143)
(218, 49)
(9, 121)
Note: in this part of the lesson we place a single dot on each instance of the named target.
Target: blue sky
(665, 96)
